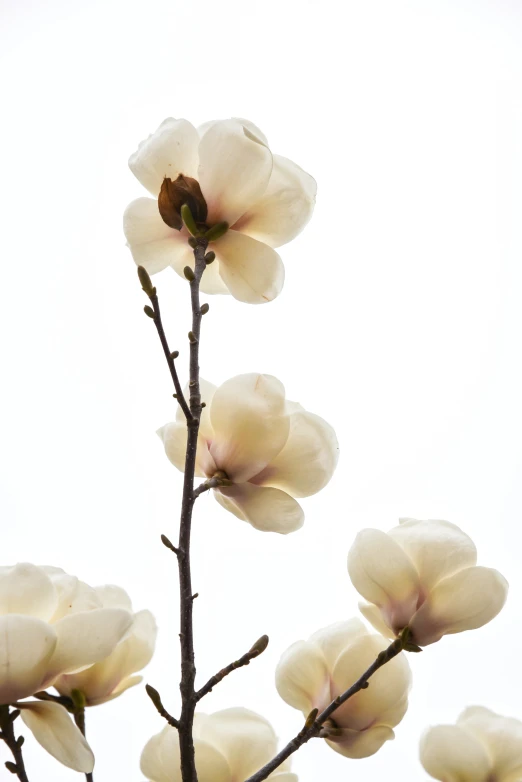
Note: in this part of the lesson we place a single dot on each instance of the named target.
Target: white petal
(27, 589)
(202, 129)
(234, 170)
(152, 243)
(54, 729)
(334, 639)
(73, 596)
(307, 461)
(374, 616)
(26, 647)
(252, 271)
(284, 208)
(112, 596)
(302, 677)
(286, 776)
(207, 391)
(250, 425)
(174, 439)
(451, 754)
(361, 744)
(502, 736)
(160, 760)
(243, 737)
(465, 601)
(171, 150)
(383, 574)
(266, 509)
(437, 548)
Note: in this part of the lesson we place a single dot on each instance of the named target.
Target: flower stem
(7, 734)
(79, 718)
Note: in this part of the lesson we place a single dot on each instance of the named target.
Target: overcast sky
(403, 295)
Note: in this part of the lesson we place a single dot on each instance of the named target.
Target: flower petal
(250, 425)
(152, 243)
(252, 271)
(26, 646)
(302, 677)
(451, 754)
(112, 596)
(308, 459)
(174, 439)
(266, 509)
(27, 589)
(374, 616)
(465, 601)
(73, 596)
(243, 737)
(234, 170)
(171, 150)
(160, 759)
(54, 729)
(502, 736)
(437, 548)
(284, 208)
(334, 639)
(361, 743)
(248, 124)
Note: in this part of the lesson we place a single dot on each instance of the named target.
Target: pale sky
(403, 295)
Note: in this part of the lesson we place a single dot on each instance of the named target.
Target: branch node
(156, 699)
(166, 542)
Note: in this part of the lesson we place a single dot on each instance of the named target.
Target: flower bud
(174, 194)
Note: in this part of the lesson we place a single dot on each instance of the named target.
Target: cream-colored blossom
(272, 450)
(230, 746)
(423, 575)
(113, 675)
(312, 673)
(481, 747)
(265, 199)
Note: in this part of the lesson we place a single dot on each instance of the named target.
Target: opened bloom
(423, 575)
(225, 172)
(113, 675)
(311, 674)
(230, 746)
(481, 747)
(51, 624)
(268, 449)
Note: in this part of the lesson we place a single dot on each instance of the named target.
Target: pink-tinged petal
(302, 677)
(502, 737)
(285, 207)
(308, 459)
(252, 271)
(250, 425)
(54, 729)
(27, 589)
(335, 638)
(171, 150)
(174, 439)
(437, 548)
(452, 754)
(465, 601)
(373, 615)
(266, 509)
(152, 243)
(244, 738)
(234, 170)
(26, 647)
(361, 743)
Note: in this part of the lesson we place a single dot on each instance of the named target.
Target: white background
(400, 323)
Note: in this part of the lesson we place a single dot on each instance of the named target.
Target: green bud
(259, 646)
(190, 223)
(311, 718)
(20, 741)
(146, 283)
(79, 700)
(192, 337)
(216, 232)
(209, 257)
(189, 274)
(154, 696)
(174, 354)
(204, 308)
(149, 311)
(192, 242)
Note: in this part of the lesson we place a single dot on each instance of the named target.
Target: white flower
(271, 449)
(481, 747)
(312, 673)
(230, 746)
(51, 624)
(113, 675)
(423, 575)
(265, 199)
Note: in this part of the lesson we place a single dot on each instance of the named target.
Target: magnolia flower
(422, 575)
(113, 675)
(312, 673)
(269, 449)
(226, 173)
(230, 746)
(52, 624)
(481, 747)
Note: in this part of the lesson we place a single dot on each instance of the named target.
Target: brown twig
(257, 649)
(220, 479)
(7, 735)
(156, 699)
(78, 701)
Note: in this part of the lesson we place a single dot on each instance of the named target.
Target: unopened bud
(146, 283)
(311, 718)
(204, 308)
(193, 243)
(209, 257)
(174, 354)
(188, 220)
(189, 274)
(154, 696)
(12, 767)
(216, 232)
(149, 311)
(192, 337)
(259, 646)
(174, 194)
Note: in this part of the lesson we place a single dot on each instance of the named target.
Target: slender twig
(314, 723)
(79, 718)
(7, 735)
(63, 700)
(257, 649)
(219, 479)
(156, 699)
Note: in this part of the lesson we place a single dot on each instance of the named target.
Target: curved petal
(502, 736)
(171, 150)
(334, 639)
(234, 169)
(122, 687)
(152, 243)
(113, 596)
(27, 589)
(160, 760)
(54, 729)
(202, 129)
(465, 601)
(361, 743)
(308, 459)
(250, 425)
(243, 737)
(174, 439)
(285, 776)
(252, 271)
(451, 754)
(437, 548)
(374, 616)
(73, 596)
(266, 509)
(302, 677)
(383, 574)
(207, 391)
(26, 646)
(284, 208)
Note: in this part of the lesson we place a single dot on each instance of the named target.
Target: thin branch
(314, 723)
(257, 649)
(219, 479)
(156, 699)
(7, 735)
(169, 356)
